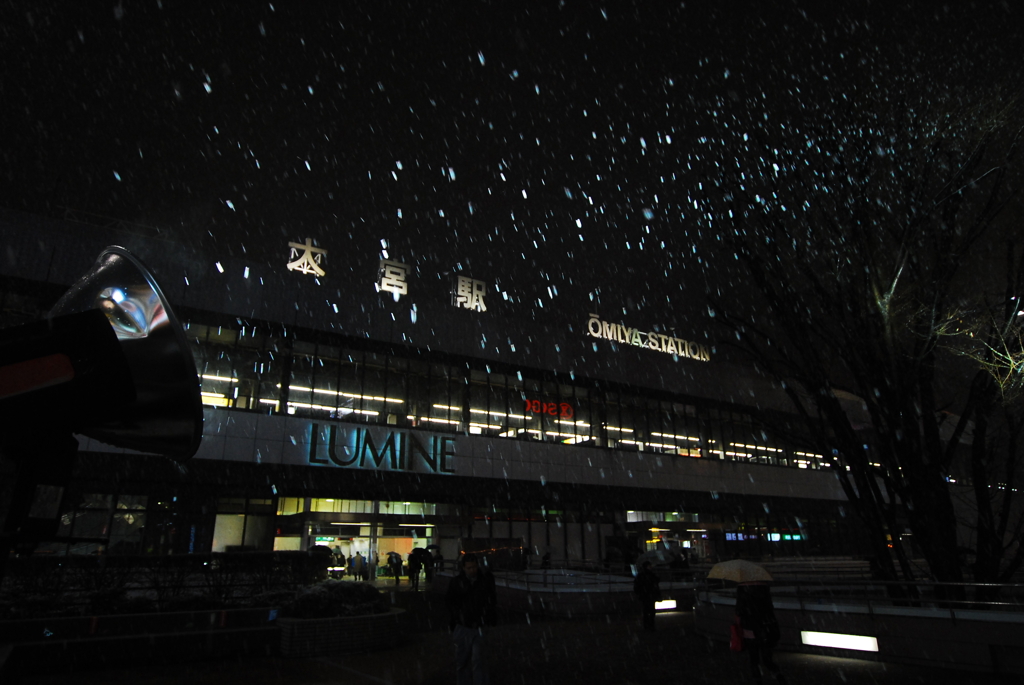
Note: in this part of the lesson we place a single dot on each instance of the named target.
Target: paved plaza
(527, 651)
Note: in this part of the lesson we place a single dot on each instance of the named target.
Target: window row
(247, 369)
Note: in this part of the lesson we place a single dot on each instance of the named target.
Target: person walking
(756, 615)
(472, 603)
(395, 564)
(428, 565)
(358, 566)
(646, 587)
(415, 564)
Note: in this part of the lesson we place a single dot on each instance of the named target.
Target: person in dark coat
(756, 613)
(358, 566)
(648, 592)
(395, 565)
(415, 564)
(472, 603)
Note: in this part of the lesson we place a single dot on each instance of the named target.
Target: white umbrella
(740, 571)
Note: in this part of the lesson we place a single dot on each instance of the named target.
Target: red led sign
(562, 410)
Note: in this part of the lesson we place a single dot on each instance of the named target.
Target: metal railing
(939, 599)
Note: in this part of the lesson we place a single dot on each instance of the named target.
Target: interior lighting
(860, 643)
(566, 435)
(485, 425)
(754, 447)
(659, 444)
(321, 407)
(665, 605)
(352, 395)
(573, 423)
(617, 428)
(346, 523)
(446, 407)
(435, 420)
(210, 377)
(499, 413)
(675, 437)
(212, 394)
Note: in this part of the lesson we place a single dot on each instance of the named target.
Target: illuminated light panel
(446, 407)
(616, 428)
(860, 643)
(450, 422)
(351, 395)
(631, 442)
(216, 401)
(210, 377)
(573, 423)
(812, 455)
(212, 394)
(754, 447)
(731, 454)
(659, 444)
(554, 434)
(268, 402)
(675, 437)
(665, 605)
(499, 413)
(322, 407)
(485, 425)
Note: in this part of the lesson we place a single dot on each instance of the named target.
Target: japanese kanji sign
(393, 277)
(469, 293)
(308, 262)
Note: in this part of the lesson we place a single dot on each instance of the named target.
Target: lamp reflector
(167, 416)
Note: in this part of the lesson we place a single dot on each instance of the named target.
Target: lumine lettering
(361, 448)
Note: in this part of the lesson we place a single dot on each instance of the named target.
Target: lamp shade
(167, 415)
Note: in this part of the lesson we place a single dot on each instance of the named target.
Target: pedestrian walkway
(525, 650)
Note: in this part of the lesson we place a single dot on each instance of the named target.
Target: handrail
(951, 597)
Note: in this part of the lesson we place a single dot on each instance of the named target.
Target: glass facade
(253, 370)
(268, 369)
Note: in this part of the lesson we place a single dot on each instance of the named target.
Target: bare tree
(881, 291)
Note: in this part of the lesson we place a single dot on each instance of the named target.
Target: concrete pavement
(526, 650)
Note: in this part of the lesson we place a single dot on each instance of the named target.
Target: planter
(318, 636)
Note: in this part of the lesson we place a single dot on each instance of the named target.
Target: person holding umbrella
(395, 564)
(415, 564)
(755, 614)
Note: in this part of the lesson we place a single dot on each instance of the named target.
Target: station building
(369, 409)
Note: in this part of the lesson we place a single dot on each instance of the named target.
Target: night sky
(562, 150)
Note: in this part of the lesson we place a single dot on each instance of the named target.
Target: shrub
(332, 598)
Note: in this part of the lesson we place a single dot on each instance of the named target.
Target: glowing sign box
(860, 643)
